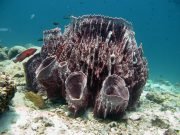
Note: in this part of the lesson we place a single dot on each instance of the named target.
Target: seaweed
(37, 100)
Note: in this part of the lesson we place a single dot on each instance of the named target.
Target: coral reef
(3, 55)
(15, 50)
(18, 53)
(15, 70)
(164, 94)
(95, 62)
(160, 123)
(7, 91)
(155, 97)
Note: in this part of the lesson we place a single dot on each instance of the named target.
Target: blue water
(156, 23)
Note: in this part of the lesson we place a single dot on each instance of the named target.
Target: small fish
(40, 39)
(32, 16)
(20, 57)
(55, 23)
(4, 29)
(66, 17)
(177, 84)
(81, 2)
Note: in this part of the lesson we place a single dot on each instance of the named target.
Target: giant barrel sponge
(96, 62)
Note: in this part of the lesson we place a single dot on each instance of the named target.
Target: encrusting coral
(95, 62)
(7, 91)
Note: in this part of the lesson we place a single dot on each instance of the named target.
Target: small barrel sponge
(76, 92)
(113, 97)
(46, 75)
(30, 72)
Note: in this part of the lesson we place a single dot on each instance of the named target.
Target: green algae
(36, 99)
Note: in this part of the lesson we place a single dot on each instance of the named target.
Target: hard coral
(7, 91)
(95, 62)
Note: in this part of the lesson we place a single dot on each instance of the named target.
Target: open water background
(156, 24)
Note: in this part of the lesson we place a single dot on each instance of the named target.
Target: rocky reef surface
(158, 112)
(7, 91)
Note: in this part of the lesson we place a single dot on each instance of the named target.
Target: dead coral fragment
(160, 123)
(155, 97)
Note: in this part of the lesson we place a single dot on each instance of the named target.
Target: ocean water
(155, 22)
